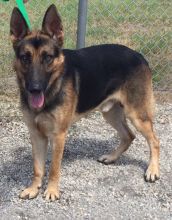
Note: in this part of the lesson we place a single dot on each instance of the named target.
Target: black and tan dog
(59, 86)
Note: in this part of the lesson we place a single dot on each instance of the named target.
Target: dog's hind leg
(138, 102)
(139, 108)
(115, 117)
(143, 123)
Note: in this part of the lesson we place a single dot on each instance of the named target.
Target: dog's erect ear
(18, 26)
(52, 25)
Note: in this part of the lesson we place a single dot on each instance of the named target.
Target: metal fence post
(82, 22)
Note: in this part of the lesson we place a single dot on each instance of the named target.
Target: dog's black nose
(34, 87)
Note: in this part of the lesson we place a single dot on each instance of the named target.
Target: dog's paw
(51, 194)
(107, 159)
(29, 193)
(152, 174)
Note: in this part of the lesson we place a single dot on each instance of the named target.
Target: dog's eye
(48, 58)
(25, 59)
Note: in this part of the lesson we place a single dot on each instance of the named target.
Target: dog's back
(102, 70)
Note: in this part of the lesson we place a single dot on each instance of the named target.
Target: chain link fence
(143, 25)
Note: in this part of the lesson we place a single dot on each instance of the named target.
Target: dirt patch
(163, 96)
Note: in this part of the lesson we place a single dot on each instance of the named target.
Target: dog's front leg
(52, 191)
(39, 151)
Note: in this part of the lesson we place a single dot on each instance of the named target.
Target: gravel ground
(89, 190)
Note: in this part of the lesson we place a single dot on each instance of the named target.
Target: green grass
(141, 25)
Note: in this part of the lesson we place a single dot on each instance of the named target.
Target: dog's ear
(52, 25)
(18, 26)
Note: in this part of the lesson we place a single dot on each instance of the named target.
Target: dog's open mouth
(36, 100)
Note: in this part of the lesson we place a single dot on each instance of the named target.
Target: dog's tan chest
(45, 124)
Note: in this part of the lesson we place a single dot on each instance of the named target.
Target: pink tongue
(37, 100)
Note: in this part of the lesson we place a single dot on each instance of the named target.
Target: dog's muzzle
(36, 96)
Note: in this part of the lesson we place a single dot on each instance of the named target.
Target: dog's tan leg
(146, 128)
(138, 101)
(117, 119)
(39, 151)
(52, 191)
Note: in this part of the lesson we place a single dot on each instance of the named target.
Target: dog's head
(39, 60)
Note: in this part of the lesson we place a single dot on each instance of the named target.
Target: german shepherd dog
(59, 86)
